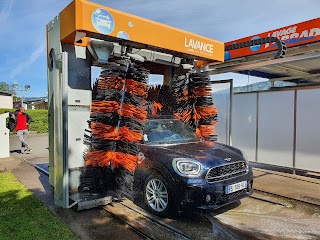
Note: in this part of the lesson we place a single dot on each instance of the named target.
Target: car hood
(207, 152)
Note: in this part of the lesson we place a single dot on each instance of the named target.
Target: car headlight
(187, 167)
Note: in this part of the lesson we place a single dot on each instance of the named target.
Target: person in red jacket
(22, 121)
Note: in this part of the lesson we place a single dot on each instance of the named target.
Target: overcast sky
(23, 27)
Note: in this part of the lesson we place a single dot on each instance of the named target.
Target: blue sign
(256, 47)
(102, 21)
(123, 35)
(227, 55)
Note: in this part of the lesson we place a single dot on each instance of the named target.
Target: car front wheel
(157, 195)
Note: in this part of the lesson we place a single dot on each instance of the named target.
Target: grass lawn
(23, 216)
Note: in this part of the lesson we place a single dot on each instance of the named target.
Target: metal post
(257, 126)
(294, 132)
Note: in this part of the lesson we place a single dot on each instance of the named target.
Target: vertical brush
(206, 111)
(118, 116)
(101, 136)
(131, 124)
(195, 104)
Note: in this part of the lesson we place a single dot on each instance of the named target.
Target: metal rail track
(134, 229)
(161, 223)
(153, 223)
(284, 197)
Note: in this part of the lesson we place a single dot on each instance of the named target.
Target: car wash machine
(93, 129)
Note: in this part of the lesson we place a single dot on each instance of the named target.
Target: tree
(6, 87)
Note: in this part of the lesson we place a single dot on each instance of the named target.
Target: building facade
(6, 100)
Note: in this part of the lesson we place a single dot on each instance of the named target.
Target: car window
(168, 131)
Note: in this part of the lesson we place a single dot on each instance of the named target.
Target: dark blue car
(178, 170)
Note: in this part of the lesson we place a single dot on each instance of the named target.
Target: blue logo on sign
(102, 21)
(123, 35)
(257, 47)
(227, 55)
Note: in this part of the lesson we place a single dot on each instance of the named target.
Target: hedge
(39, 117)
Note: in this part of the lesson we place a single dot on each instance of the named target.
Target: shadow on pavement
(15, 151)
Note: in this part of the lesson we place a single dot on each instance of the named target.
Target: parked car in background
(179, 170)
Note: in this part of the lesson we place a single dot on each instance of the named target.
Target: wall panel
(276, 128)
(244, 126)
(308, 130)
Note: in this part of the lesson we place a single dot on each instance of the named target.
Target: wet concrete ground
(264, 220)
(277, 218)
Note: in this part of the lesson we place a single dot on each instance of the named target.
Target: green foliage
(39, 117)
(23, 216)
(6, 87)
(40, 120)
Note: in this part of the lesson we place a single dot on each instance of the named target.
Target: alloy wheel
(157, 195)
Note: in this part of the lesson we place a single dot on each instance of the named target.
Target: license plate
(236, 187)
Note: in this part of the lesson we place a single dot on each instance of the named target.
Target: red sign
(294, 35)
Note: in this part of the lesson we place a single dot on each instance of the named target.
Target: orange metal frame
(105, 23)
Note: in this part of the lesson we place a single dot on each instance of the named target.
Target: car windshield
(168, 131)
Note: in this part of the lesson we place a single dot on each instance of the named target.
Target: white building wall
(6, 102)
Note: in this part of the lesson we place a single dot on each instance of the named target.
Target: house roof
(37, 100)
(3, 93)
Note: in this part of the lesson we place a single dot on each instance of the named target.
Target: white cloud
(29, 61)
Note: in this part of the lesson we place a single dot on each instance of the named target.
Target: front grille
(226, 171)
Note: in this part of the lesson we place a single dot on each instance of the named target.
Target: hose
(282, 48)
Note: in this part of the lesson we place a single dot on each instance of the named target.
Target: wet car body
(221, 166)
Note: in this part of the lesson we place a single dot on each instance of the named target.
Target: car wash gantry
(95, 133)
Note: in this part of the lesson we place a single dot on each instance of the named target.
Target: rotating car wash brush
(167, 100)
(133, 111)
(153, 105)
(117, 119)
(160, 100)
(207, 112)
(185, 100)
(101, 137)
(194, 103)
(132, 118)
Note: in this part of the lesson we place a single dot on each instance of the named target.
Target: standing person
(22, 123)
